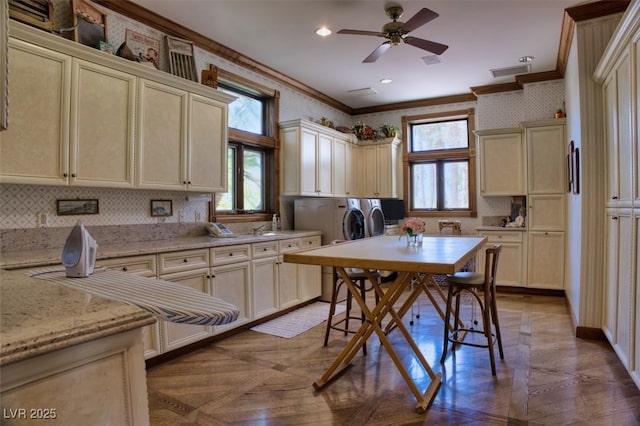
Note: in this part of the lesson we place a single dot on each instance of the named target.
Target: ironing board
(166, 300)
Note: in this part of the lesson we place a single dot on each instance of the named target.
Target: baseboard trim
(590, 333)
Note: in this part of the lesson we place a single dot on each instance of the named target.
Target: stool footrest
(451, 337)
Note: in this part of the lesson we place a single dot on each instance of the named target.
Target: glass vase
(414, 240)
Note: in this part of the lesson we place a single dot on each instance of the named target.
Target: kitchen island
(68, 357)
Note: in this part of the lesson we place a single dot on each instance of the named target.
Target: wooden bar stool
(472, 283)
(360, 279)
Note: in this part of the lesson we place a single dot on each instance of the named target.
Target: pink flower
(414, 226)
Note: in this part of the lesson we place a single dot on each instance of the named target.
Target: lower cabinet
(144, 266)
(264, 270)
(177, 335)
(309, 276)
(545, 262)
(511, 266)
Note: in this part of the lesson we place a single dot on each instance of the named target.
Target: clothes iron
(79, 252)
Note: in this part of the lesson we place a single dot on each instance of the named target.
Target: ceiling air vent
(431, 59)
(367, 91)
(504, 72)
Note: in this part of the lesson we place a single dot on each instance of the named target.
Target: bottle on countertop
(274, 222)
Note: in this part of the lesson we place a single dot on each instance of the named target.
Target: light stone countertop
(37, 317)
(45, 257)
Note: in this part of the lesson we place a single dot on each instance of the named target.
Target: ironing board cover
(166, 300)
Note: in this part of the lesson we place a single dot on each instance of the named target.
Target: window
(440, 164)
(251, 154)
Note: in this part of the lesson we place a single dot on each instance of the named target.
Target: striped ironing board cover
(166, 300)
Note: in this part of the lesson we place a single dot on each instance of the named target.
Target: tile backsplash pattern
(20, 206)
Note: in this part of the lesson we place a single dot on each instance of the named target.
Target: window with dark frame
(440, 164)
(251, 153)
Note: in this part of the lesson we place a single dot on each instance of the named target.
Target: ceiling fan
(396, 32)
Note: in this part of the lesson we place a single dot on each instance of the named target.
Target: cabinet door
(369, 172)
(546, 158)
(309, 276)
(386, 180)
(102, 131)
(287, 284)
(547, 212)
(162, 129)
(231, 283)
(611, 135)
(207, 154)
(624, 125)
(546, 260)
(502, 165)
(35, 148)
(323, 165)
(265, 286)
(340, 165)
(176, 335)
(625, 318)
(610, 304)
(308, 158)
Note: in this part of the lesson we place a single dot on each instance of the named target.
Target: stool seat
(469, 278)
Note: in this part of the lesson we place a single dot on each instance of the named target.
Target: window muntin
(246, 112)
(247, 174)
(440, 164)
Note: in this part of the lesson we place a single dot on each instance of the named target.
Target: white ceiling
(481, 35)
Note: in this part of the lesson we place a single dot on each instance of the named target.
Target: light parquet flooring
(548, 377)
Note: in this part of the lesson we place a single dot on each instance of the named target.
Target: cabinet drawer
(310, 242)
(266, 249)
(230, 254)
(503, 236)
(183, 260)
(285, 246)
(144, 266)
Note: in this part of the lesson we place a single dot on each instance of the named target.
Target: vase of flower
(414, 228)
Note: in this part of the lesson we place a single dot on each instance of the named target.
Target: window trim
(269, 141)
(409, 157)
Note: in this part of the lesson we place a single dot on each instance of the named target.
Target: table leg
(374, 319)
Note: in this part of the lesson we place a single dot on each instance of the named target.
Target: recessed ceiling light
(385, 80)
(323, 31)
(526, 59)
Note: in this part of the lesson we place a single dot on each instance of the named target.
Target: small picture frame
(570, 167)
(576, 170)
(143, 47)
(77, 206)
(161, 208)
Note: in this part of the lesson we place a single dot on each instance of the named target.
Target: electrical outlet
(42, 219)
(197, 216)
(181, 216)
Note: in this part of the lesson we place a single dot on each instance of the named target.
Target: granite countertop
(500, 228)
(37, 317)
(31, 258)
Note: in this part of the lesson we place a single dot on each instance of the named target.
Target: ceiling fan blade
(358, 32)
(430, 46)
(423, 16)
(377, 53)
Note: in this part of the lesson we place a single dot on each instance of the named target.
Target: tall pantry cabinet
(619, 75)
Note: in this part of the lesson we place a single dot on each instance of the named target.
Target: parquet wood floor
(548, 377)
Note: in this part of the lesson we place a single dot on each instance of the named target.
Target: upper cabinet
(546, 148)
(74, 121)
(376, 163)
(308, 163)
(502, 162)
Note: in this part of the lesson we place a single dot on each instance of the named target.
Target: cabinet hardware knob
(189, 182)
(615, 218)
(65, 175)
(124, 268)
(184, 182)
(185, 260)
(230, 254)
(73, 175)
(264, 249)
(614, 198)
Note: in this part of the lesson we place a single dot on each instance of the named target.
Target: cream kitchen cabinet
(306, 159)
(344, 184)
(264, 270)
(144, 266)
(376, 165)
(546, 259)
(547, 212)
(182, 142)
(546, 156)
(35, 148)
(309, 276)
(288, 286)
(190, 268)
(502, 162)
(231, 280)
(512, 263)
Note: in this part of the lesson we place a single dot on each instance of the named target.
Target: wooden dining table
(437, 255)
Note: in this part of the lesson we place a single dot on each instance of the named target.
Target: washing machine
(373, 216)
(337, 218)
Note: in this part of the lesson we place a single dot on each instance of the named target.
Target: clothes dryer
(337, 218)
(373, 216)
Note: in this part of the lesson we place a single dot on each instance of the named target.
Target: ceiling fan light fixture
(323, 31)
(526, 59)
